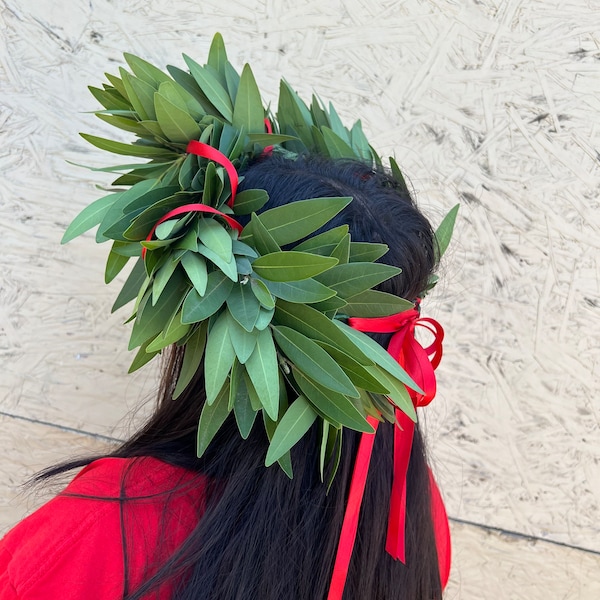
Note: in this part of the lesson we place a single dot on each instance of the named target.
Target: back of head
(259, 325)
(265, 535)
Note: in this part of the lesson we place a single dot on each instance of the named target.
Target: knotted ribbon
(205, 151)
(419, 363)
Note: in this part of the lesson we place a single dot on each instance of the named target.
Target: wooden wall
(493, 104)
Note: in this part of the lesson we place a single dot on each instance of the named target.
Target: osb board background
(492, 103)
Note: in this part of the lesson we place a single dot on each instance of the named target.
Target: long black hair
(262, 535)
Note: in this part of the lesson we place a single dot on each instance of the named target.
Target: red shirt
(72, 547)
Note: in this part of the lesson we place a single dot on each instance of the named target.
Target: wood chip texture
(493, 104)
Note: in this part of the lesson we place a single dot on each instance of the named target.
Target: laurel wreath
(268, 323)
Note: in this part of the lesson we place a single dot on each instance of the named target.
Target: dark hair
(266, 536)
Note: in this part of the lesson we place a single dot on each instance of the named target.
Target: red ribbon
(205, 151)
(269, 128)
(419, 363)
(188, 208)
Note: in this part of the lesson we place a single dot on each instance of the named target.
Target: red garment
(72, 547)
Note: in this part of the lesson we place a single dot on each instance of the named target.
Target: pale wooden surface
(493, 103)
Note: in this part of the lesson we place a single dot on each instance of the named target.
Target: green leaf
(398, 393)
(243, 341)
(358, 374)
(336, 446)
(335, 407)
(264, 318)
(114, 265)
(296, 220)
(109, 100)
(337, 126)
(337, 147)
(377, 354)
(291, 266)
(189, 241)
(443, 233)
(196, 308)
(152, 127)
(188, 83)
(310, 358)
(175, 332)
(89, 217)
(140, 95)
(232, 79)
(151, 319)
(323, 457)
(131, 286)
(306, 291)
(195, 267)
(194, 350)
(398, 176)
(357, 277)
(262, 240)
(228, 268)
(181, 98)
(218, 358)
(217, 55)
(162, 276)
(166, 229)
(269, 139)
(324, 243)
(142, 357)
(244, 413)
(243, 305)
(215, 237)
(249, 201)
(128, 149)
(375, 304)
(317, 326)
(212, 417)
(297, 420)
(334, 303)
(123, 123)
(243, 265)
(262, 293)
(263, 370)
(320, 117)
(187, 171)
(285, 461)
(248, 111)
(141, 214)
(366, 251)
(342, 250)
(359, 142)
(176, 124)
(211, 88)
(144, 70)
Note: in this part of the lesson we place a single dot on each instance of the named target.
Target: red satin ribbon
(205, 151)
(188, 208)
(419, 363)
(269, 128)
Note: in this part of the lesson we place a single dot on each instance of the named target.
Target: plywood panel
(28, 448)
(493, 104)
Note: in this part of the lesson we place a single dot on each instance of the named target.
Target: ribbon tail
(396, 535)
(350, 523)
(441, 527)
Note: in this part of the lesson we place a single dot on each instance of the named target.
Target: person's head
(272, 536)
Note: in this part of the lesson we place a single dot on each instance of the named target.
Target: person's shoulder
(82, 527)
(128, 478)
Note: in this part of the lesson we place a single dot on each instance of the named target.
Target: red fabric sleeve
(72, 547)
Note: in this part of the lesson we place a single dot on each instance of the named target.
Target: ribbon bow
(419, 362)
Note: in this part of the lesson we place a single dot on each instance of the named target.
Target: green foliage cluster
(266, 322)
